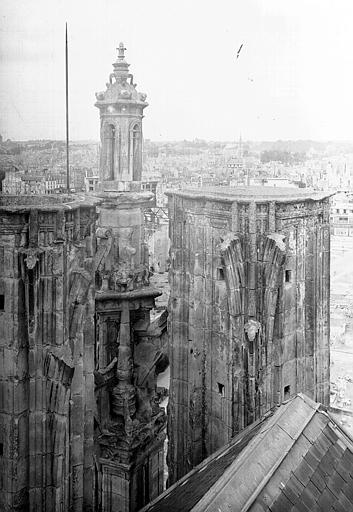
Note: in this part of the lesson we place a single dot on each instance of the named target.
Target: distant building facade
(342, 216)
(12, 183)
(91, 182)
(150, 186)
(248, 311)
(157, 236)
(19, 182)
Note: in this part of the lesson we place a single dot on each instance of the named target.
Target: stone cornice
(140, 293)
(25, 203)
(102, 103)
(249, 195)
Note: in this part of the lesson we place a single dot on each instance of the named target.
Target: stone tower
(47, 354)
(248, 311)
(130, 425)
(121, 112)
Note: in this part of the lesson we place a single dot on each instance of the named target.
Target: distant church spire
(240, 147)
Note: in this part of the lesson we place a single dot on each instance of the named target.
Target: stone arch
(135, 146)
(110, 145)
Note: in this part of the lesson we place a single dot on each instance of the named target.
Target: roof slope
(297, 459)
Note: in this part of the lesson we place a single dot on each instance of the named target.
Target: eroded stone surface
(47, 349)
(248, 312)
(78, 351)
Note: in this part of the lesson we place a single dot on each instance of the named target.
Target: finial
(121, 51)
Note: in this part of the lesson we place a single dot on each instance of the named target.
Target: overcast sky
(293, 78)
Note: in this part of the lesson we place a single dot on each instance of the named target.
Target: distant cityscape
(39, 167)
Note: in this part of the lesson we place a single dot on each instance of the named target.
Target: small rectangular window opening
(288, 276)
(1, 449)
(2, 302)
(221, 389)
(286, 392)
(220, 274)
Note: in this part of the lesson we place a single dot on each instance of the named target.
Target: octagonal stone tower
(248, 311)
(121, 111)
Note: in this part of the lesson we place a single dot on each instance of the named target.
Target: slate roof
(297, 459)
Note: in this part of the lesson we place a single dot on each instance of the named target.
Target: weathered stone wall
(47, 353)
(248, 314)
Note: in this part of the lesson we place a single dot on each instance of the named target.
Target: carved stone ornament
(124, 93)
(103, 233)
(31, 257)
(251, 328)
(279, 240)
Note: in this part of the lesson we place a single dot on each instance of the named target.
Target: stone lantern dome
(121, 111)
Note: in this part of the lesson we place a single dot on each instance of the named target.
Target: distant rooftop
(295, 459)
(252, 193)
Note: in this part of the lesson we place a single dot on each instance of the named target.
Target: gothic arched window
(110, 150)
(135, 147)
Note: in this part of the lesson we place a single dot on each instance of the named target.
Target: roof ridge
(221, 451)
(342, 431)
(250, 449)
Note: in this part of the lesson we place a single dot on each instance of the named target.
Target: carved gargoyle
(122, 279)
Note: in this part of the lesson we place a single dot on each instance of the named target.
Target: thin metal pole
(67, 112)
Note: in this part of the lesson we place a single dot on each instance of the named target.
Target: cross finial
(121, 49)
